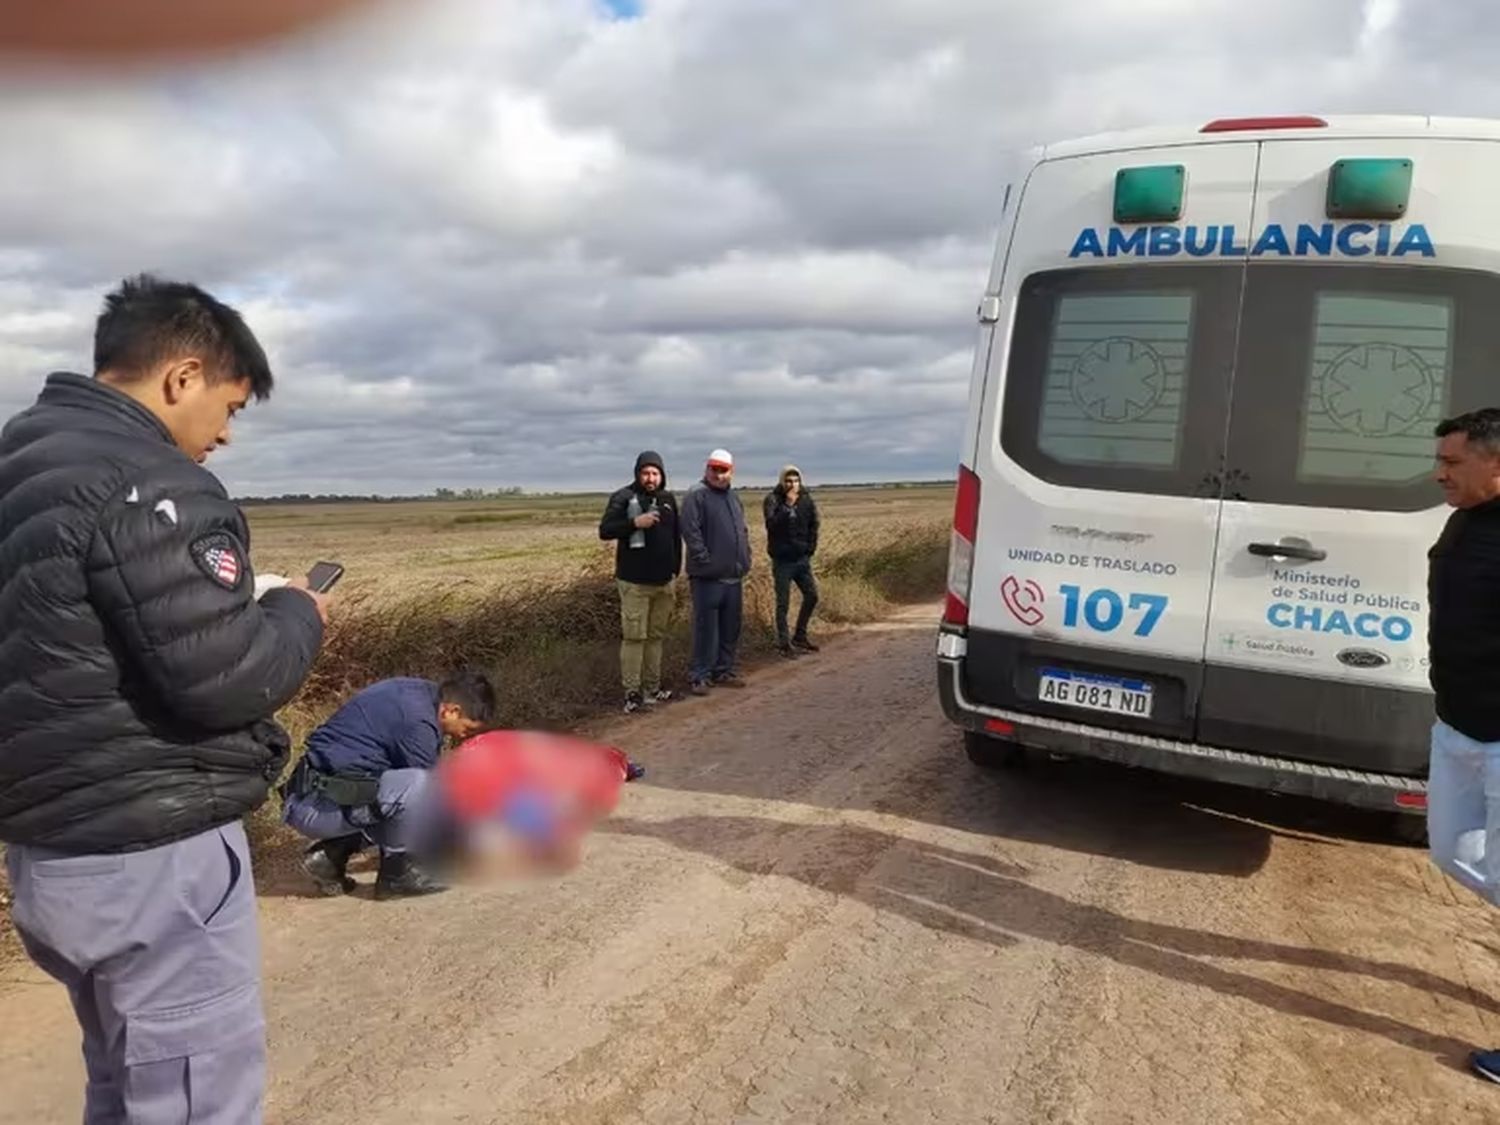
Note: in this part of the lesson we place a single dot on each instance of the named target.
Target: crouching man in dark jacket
(792, 527)
(138, 679)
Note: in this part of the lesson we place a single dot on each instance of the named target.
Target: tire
(1409, 830)
(991, 753)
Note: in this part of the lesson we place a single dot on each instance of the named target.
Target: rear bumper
(1386, 792)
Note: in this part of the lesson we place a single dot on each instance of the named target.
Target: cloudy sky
(512, 242)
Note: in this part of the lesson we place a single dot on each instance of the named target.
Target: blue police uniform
(391, 725)
(387, 734)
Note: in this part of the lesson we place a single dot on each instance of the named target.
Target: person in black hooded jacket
(138, 681)
(792, 529)
(642, 519)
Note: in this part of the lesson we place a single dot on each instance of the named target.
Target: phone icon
(1024, 600)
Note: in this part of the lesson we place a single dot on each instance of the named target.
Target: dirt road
(815, 910)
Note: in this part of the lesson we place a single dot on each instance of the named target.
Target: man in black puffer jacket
(138, 680)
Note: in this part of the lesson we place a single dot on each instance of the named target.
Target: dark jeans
(785, 574)
(718, 609)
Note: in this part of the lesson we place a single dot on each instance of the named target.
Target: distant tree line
(510, 493)
(375, 498)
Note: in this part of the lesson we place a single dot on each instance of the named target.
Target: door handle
(1304, 551)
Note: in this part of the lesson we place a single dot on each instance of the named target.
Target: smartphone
(323, 576)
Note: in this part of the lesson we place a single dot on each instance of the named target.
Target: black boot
(326, 860)
(402, 876)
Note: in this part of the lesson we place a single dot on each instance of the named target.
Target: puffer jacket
(138, 674)
(791, 529)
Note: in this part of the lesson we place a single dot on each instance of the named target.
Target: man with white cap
(718, 558)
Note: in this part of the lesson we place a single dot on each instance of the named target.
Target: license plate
(1089, 692)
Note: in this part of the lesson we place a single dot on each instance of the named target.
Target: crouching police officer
(366, 777)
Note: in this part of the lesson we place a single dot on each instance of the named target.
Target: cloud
(513, 242)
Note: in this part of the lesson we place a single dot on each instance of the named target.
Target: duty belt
(347, 792)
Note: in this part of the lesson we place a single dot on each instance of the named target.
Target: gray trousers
(407, 807)
(160, 953)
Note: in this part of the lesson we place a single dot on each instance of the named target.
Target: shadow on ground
(831, 732)
(1083, 806)
(988, 900)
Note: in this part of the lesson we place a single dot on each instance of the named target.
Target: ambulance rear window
(1378, 385)
(1354, 366)
(1116, 376)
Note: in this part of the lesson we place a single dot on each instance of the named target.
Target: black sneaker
(788, 652)
(804, 644)
(326, 861)
(698, 687)
(732, 680)
(633, 702)
(660, 695)
(1486, 1064)
(401, 876)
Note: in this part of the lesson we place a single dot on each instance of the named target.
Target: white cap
(721, 457)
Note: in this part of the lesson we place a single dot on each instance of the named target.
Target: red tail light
(961, 547)
(1251, 124)
(1411, 800)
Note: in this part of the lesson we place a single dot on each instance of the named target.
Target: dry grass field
(523, 587)
(390, 548)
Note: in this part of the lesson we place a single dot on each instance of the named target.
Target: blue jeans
(785, 573)
(718, 612)
(1463, 810)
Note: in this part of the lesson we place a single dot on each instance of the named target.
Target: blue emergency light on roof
(1255, 124)
(1151, 194)
(1369, 188)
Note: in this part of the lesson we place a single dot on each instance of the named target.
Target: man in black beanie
(642, 519)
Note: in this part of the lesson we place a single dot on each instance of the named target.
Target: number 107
(1104, 610)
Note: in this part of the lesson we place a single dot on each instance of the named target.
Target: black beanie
(650, 457)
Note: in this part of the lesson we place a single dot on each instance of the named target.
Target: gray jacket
(714, 533)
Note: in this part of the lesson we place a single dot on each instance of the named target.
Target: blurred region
(126, 30)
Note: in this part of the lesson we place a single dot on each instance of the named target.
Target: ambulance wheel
(990, 753)
(1409, 830)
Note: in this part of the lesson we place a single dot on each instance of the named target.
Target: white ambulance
(1195, 498)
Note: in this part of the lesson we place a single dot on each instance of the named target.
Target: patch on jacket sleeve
(220, 556)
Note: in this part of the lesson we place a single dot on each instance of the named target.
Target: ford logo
(1363, 658)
